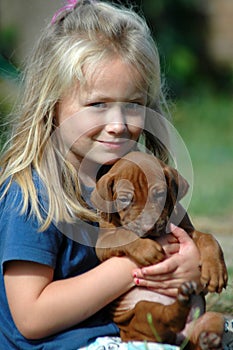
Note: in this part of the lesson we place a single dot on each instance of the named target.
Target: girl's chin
(106, 160)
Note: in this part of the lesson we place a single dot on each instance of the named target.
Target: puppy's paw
(145, 251)
(186, 290)
(214, 275)
(210, 341)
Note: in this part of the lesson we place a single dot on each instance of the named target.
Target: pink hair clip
(68, 7)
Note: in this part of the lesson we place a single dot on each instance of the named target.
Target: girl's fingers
(169, 243)
(153, 279)
(166, 267)
(159, 287)
(171, 249)
(157, 284)
(181, 236)
(160, 271)
(171, 239)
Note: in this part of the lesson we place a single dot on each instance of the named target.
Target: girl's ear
(177, 185)
(102, 195)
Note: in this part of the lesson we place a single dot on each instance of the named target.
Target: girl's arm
(41, 307)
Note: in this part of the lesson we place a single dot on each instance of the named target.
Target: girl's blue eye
(133, 106)
(99, 105)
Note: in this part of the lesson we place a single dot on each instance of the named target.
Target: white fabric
(115, 343)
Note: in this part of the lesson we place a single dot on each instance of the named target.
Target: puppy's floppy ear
(102, 195)
(177, 185)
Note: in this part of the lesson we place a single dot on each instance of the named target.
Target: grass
(206, 125)
(223, 301)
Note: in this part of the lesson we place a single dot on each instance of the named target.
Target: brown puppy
(136, 199)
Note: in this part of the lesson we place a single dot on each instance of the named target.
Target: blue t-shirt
(68, 254)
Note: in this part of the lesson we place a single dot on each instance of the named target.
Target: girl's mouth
(113, 144)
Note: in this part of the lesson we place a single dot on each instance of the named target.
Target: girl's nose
(116, 128)
(116, 122)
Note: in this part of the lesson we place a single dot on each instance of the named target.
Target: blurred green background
(195, 42)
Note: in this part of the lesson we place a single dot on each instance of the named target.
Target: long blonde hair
(87, 35)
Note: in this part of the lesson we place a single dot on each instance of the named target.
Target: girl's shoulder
(15, 203)
(11, 191)
(22, 238)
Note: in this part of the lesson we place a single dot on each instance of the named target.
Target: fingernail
(137, 281)
(135, 274)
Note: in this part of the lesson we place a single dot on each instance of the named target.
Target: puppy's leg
(121, 242)
(167, 320)
(213, 267)
(206, 332)
(210, 341)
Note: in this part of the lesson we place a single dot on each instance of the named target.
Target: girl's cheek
(135, 131)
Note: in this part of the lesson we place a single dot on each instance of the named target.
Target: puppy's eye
(158, 195)
(124, 201)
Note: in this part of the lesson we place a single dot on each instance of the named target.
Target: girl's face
(102, 121)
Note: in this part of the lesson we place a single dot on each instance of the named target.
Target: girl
(93, 61)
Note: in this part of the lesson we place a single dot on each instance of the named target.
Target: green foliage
(8, 71)
(223, 302)
(5, 108)
(153, 329)
(8, 41)
(205, 124)
(180, 29)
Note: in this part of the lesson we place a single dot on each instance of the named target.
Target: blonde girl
(93, 60)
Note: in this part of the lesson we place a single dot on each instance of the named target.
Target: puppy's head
(116, 190)
(139, 191)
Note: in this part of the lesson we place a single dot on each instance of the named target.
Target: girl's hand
(182, 264)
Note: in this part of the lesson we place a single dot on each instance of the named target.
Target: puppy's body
(137, 199)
